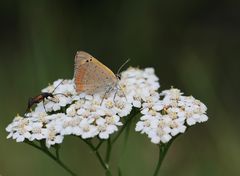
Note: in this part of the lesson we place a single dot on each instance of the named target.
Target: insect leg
(51, 100)
(122, 92)
(25, 114)
(115, 94)
(61, 94)
(107, 91)
(44, 106)
(27, 110)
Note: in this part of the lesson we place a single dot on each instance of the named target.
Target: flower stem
(119, 171)
(108, 152)
(163, 148)
(99, 145)
(94, 149)
(60, 163)
(57, 152)
(126, 135)
(129, 118)
(57, 160)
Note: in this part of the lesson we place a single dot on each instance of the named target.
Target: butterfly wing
(91, 75)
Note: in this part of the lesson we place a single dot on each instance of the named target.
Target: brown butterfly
(91, 76)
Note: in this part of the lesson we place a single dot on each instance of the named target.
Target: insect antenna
(120, 68)
(118, 77)
(57, 86)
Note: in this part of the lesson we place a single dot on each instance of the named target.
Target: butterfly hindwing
(91, 75)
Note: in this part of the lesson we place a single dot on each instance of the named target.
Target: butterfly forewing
(92, 76)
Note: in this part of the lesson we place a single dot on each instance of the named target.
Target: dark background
(193, 45)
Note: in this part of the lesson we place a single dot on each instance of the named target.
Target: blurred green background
(193, 45)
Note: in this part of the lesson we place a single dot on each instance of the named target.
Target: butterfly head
(118, 76)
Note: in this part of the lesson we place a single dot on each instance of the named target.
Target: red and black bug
(41, 98)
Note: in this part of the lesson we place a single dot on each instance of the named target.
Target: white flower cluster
(167, 117)
(69, 113)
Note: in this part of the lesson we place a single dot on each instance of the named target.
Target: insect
(91, 76)
(41, 98)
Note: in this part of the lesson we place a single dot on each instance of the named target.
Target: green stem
(126, 136)
(163, 148)
(101, 160)
(119, 171)
(103, 164)
(129, 118)
(108, 152)
(47, 152)
(99, 144)
(57, 148)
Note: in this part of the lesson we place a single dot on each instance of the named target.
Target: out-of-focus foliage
(193, 45)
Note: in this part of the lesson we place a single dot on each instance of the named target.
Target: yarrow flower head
(170, 115)
(164, 115)
(69, 113)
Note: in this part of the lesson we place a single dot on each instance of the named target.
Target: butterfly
(91, 76)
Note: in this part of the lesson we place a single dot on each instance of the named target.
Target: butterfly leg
(123, 93)
(119, 88)
(107, 91)
(115, 94)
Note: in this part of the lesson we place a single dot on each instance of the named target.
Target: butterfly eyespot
(87, 60)
(90, 59)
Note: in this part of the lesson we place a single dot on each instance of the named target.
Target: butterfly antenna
(122, 66)
(57, 86)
